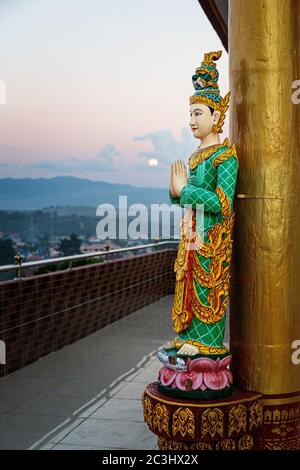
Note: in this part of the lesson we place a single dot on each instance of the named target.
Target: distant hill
(39, 193)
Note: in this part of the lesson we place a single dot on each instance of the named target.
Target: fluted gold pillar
(265, 128)
(264, 40)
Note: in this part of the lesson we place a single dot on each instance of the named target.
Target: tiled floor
(88, 395)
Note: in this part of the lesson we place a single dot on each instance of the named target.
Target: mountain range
(40, 193)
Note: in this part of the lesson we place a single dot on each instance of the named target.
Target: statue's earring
(216, 127)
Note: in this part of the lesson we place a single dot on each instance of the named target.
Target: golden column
(264, 43)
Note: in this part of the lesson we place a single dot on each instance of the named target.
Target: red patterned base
(281, 423)
(179, 423)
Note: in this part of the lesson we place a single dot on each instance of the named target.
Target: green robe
(202, 275)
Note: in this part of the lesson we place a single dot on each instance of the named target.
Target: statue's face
(201, 120)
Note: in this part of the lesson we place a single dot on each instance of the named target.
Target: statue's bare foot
(188, 350)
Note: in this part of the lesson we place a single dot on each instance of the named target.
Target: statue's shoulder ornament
(199, 156)
(230, 151)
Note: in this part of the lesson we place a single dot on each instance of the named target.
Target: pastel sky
(96, 88)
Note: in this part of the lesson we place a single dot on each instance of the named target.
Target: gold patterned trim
(256, 415)
(186, 303)
(147, 409)
(208, 59)
(225, 204)
(226, 444)
(222, 425)
(244, 443)
(218, 248)
(183, 422)
(160, 418)
(222, 157)
(212, 422)
(203, 154)
(177, 343)
(205, 349)
(165, 444)
(237, 419)
(217, 280)
(181, 317)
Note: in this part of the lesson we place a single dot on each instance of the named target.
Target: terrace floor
(88, 395)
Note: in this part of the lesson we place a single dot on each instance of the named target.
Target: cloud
(108, 151)
(104, 161)
(147, 167)
(166, 148)
(73, 165)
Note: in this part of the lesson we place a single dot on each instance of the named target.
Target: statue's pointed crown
(205, 81)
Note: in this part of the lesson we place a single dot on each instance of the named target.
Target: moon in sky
(153, 162)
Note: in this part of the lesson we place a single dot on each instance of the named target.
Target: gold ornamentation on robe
(188, 269)
(199, 156)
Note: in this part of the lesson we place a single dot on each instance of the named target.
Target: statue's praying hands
(178, 177)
